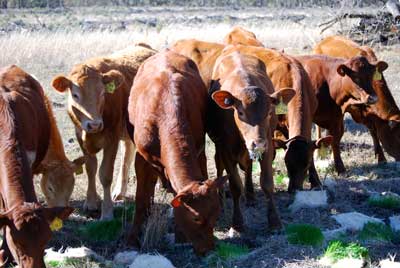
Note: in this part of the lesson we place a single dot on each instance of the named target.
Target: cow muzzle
(93, 126)
(256, 150)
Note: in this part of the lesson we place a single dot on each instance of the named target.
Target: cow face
(251, 108)
(196, 210)
(297, 167)
(87, 89)
(28, 231)
(359, 76)
(58, 181)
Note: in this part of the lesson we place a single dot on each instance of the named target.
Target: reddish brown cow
(383, 117)
(24, 139)
(167, 108)
(339, 83)
(240, 36)
(98, 91)
(286, 72)
(242, 126)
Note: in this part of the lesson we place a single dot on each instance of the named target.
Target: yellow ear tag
(377, 76)
(56, 224)
(323, 151)
(281, 107)
(79, 171)
(110, 87)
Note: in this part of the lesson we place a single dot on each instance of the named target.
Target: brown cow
(339, 83)
(242, 126)
(167, 108)
(24, 138)
(98, 92)
(381, 118)
(240, 36)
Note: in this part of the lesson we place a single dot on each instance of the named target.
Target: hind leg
(120, 188)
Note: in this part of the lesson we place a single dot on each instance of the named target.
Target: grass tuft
(231, 251)
(376, 231)
(101, 231)
(389, 202)
(304, 234)
(338, 250)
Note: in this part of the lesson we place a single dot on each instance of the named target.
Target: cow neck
(55, 152)
(178, 148)
(179, 158)
(300, 116)
(16, 176)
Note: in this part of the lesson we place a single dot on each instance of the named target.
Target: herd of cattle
(162, 104)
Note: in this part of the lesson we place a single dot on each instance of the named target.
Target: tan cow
(57, 182)
(240, 36)
(98, 91)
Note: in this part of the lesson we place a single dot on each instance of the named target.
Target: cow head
(28, 231)
(196, 210)
(359, 76)
(87, 89)
(58, 181)
(297, 167)
(251, 108)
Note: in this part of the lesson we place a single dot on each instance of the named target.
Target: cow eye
(240, 113)
(75, 96)
(197, 220)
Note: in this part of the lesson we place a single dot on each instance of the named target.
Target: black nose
(95, 125)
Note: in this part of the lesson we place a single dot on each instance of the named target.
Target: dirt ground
(71, 36)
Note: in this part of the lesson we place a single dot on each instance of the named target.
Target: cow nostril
(372, 99)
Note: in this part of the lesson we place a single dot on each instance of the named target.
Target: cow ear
(56, 212)
(325, 141)
(113, 80)
(61, 83)
(284, 94)
(343, 70)
(279, 144)
(77, 164)
(381, 66)
(224, 99)
(218, 183)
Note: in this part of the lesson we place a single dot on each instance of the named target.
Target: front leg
(146, 178)
(120, 188)
(267, 185)
(313, 175)
(377, 146)
(106, 176)
(91, 169)
(337, 131)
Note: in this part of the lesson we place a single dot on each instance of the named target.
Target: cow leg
(248, 183)
(313, 175)
(377, 146)
(106, 176)
(337, 132)
(120, 188)
(91, 196)
(203, 163)
(236, 187)
(267, 185)
(146, 179)
(219, 164)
